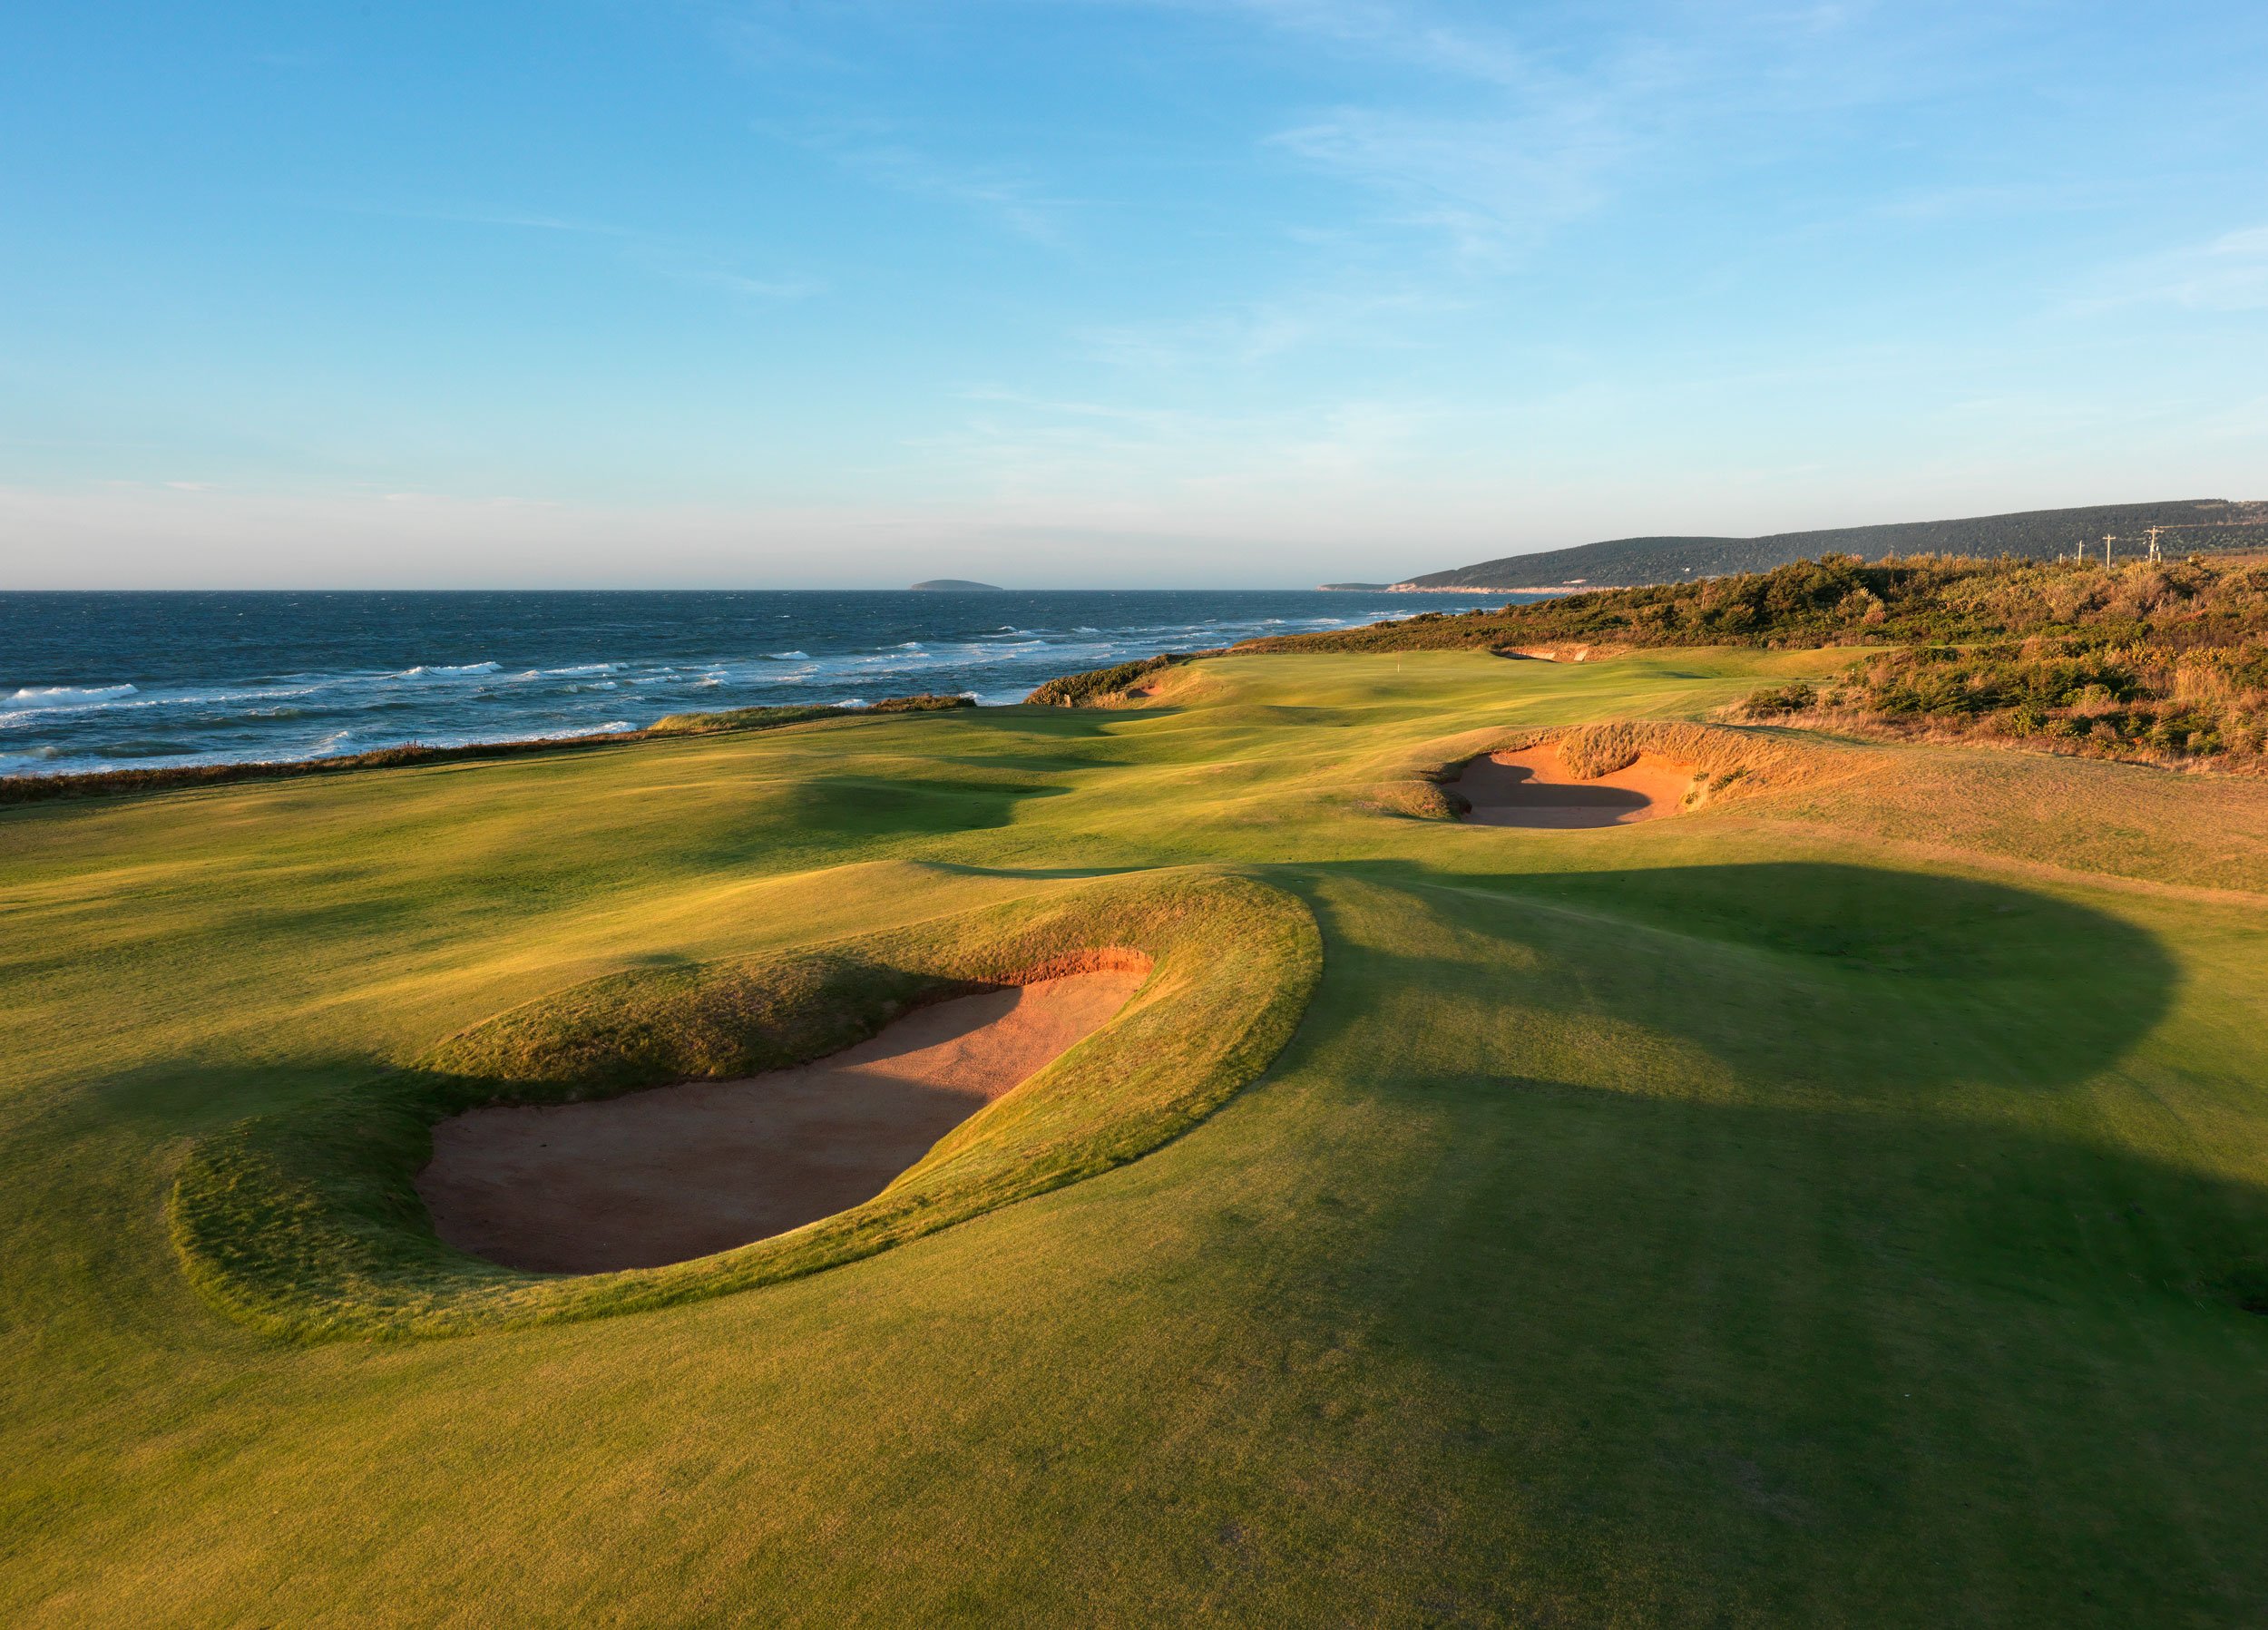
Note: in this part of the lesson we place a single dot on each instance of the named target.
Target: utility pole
(2108, 541)
(2153, 533)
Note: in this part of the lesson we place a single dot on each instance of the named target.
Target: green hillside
(1845, 1203)
(2196, 524)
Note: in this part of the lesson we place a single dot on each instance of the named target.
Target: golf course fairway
(1840, 1201)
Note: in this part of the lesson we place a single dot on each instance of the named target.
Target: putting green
(1839, 1204)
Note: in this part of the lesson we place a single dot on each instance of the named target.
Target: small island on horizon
(957, 585)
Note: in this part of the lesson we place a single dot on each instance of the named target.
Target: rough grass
(2136, 700)
(1837, 1207)
(1729, 763)
(305, 1223)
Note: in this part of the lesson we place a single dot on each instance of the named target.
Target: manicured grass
(1833, 1206)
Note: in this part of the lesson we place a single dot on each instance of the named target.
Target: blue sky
(1082, 293)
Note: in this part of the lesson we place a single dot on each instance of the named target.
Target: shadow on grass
(832, 820)
(1819, 976)
(857, 806)
(1038, 873)
(1772, 1235)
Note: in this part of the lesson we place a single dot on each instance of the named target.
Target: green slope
(1837, 1205)
(2194, 524)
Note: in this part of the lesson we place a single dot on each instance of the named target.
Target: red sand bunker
(679, 1172)
(1532, 788)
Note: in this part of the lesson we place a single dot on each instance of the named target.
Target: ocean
(100, 681)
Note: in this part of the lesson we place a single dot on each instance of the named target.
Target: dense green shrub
(1101, 687)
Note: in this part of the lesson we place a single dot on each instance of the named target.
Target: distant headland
(958, 585)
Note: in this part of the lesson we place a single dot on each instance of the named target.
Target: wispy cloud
(1015, 447)
(1260, 331)
(662, 254)
(1495, 185)
(1014, 200)
(883, 152)
(2228, 273)
(517, 219)
(1514, 144)
(1499, 134)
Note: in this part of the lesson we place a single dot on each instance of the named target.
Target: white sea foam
(460, 671)
(69, 696)
(790, 656)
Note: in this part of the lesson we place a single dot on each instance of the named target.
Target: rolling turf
(1839, 1205)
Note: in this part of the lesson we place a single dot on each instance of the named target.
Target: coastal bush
(923, 702)
(1790, 698)
(1107, 687)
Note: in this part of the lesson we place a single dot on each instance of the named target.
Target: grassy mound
(305, 1223)
(1728, 762)
(1110, 686)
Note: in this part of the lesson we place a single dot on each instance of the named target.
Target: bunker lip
(674, 1173)
(1531, 788)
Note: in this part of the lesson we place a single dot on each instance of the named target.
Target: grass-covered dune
(1845, 1201)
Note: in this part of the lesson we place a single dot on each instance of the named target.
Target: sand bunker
(679, 1172)
(1532, 788)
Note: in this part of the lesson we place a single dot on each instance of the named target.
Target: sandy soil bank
(1532, 788)
(679, 1172)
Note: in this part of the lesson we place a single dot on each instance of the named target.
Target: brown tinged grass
(1729, 763)
(2131, 702)
(1112, 687)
